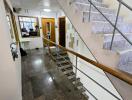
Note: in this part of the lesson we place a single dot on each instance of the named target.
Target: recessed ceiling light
(47, 4)
(47, 10)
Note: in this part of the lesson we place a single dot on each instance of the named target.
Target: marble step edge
(81, 88)
(121, 48)
(85, 95)
(107, 24)
(62, 57)
(65, 67)
(93, 17)
(63, 61)
(108, 37)
(76, 81)
(98, 13)
(125, 57)
(66, 71)
(125, 51)
(70, 76)
(60, 52)
(94, 1)
(85, 4)
(105, 12)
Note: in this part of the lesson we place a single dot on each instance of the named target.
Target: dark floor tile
(42, 81)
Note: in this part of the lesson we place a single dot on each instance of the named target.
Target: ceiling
(36, 4)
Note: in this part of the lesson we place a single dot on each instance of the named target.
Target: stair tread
(82, 89)
(63, 62)
(74, 79)
(65, 67)
(85, 95)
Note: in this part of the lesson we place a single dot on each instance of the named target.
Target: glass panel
(24, 19)
(33, 19)
(21, 24)
(20, 19)
(28, 24)
(28, 20)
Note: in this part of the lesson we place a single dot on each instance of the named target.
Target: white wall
(37, 42)
(10, 78)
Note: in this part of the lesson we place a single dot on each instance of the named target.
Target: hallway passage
(42, 81)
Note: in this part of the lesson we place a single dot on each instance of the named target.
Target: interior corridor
(42, 81)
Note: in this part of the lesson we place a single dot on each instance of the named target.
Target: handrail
(82, 73)
(113, 71)
(92, 80)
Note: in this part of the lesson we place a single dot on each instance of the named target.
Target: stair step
(79, 85)
(71, 75)
(125, 57)
(105, 28)
(64, 67)
(85, 95)
(95, 2)
(76, 81)
(66, 71)
(85, 7)
(119, 42)
(62, 57)
(126, 67)
(59, 52)
(63, 62)
(81, 89)
(118, 36)
(96, 16)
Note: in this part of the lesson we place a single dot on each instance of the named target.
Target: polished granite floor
(42, 81)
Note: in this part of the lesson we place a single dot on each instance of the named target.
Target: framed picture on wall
(29, 26)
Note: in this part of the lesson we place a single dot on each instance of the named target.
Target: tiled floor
(42, 81)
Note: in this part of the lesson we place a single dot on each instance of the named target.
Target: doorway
(48, 27)
(62, 31)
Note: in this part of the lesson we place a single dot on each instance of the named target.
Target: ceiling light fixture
(46, 4)
(47, 10)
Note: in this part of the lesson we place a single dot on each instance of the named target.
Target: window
(29, 26)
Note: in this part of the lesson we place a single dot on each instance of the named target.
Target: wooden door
(62, 31)
(48, 27)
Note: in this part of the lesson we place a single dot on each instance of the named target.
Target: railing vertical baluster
(89, 11)
(57, 52)
(83, 17)
(119, 7)
(76, 72)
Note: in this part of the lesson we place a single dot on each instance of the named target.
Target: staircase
(100, 30)
(65, 66)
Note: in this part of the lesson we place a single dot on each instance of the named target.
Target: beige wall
(127, 14)
(10, 78)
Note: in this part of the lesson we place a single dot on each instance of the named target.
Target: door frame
(43, 28)
(59, 28)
